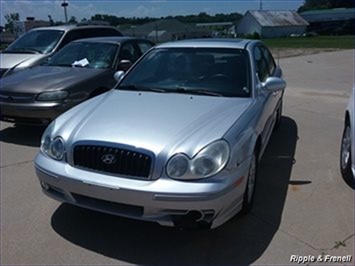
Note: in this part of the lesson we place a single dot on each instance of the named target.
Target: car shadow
(22, 135)
(349, 181)
(242, 240)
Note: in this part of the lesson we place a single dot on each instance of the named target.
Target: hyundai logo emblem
(108, 158)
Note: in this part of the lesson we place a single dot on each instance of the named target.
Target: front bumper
(163, 200)
(32, 113)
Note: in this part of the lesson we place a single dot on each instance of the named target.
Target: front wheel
(345, 155)
(249, 193)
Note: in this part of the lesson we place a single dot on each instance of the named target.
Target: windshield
(37, 41)
(207, 71)
(85, 54)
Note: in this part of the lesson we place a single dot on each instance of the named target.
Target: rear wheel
(249, 193)
(345, 155)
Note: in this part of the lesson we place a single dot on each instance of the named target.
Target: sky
(128, 8)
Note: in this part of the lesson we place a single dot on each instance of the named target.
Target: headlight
(57, 148)
(54, 148)
(47, 138)
(177, 166)
(208, 162)
(52, 96)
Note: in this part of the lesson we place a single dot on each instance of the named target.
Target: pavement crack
(8, 165)
(302, 241)
(336, 246)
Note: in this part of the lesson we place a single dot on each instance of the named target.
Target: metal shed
(272, 24)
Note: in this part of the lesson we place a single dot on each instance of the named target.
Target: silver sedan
(177, 141)
(347, 163)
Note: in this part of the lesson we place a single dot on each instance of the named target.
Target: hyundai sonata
(177, 141)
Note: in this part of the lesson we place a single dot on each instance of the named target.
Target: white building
(272, 24)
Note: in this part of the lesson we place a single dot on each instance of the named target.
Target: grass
(339, 244)
(338, 42)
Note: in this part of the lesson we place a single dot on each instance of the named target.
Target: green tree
(342, 3)
(193, 19)
(326, 4)
(11, 18)
(72, 20)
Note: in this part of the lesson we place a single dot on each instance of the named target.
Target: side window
(269, 60)
(87, 33)
(90, 33)
(70, 36)
(144, 46)
(99, 32)
(262, 68)
(109, 32)
(129, 52)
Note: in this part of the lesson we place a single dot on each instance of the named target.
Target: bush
(254, 36)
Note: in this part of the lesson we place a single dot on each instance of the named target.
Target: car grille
(16, 97)
(112, 160)
(2, 71)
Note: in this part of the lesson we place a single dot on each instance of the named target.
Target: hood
(10, 60)
(164, 123)
(44, 78)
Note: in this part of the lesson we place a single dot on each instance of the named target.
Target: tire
(249, 193)
(345, 155)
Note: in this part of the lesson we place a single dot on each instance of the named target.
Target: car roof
(71, 26)
(209, 43)
(111, 39)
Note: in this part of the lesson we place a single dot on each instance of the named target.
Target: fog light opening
(190, 220)
(44, 186)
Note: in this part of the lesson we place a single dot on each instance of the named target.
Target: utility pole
(64, 5)
(261, 5)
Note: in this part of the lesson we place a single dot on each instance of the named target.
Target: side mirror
(125, 64)
(274, 84)
(118, 75)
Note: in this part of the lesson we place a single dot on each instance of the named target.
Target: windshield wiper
(205, 92)
(196, 92)
(60, 65)
(142, 88)
(170, 90)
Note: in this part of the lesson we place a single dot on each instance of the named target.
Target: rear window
(98, 32)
